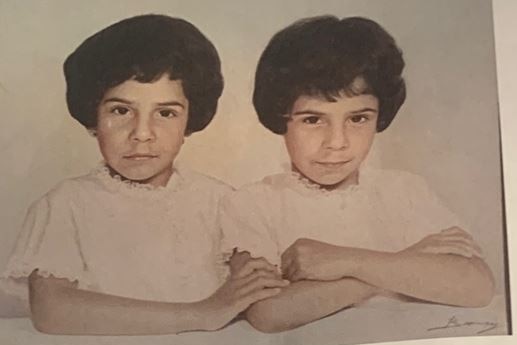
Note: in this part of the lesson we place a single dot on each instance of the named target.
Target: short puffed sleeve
(49, 242)
(246, 224)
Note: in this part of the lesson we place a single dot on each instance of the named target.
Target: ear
(92, 132)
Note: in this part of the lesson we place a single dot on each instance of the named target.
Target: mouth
(140, 156)
(332, 164)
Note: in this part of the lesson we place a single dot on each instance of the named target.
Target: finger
(467, 244)
(254, 264)
(456, 236)
(286, 262)
(462, 236)
(456, 239)
(478, 251)
(468, 240)
(239, 257)
(287, 255)
(261, 283)
(255, 296)
(456, 231)
(244, 254)
(257, 274)
(450, 248)
(289, 271)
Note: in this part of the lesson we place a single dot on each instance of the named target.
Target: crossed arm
(442, 268)
(59, 307)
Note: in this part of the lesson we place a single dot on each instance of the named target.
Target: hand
(453, 241)
(240, 259)
(250, 280)
(308, 259)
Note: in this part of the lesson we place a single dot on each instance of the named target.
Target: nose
(142, 129)
(337, 138)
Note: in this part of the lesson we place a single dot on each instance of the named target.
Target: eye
(167, 113)
(118, 110)
(312, 120)
(358, 119)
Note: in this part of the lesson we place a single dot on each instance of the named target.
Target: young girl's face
(141, 127)
(328, 140)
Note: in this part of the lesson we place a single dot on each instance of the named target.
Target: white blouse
(124, 238)
(387, 210)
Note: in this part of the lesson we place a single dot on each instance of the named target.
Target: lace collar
(116, 183)
(303, 185)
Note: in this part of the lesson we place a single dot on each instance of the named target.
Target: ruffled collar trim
(302, 184)
(117, 183)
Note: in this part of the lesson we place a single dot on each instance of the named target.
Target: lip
(140, 156)
(333, 164)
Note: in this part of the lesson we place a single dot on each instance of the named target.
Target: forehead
(158, 90)
(342, 102)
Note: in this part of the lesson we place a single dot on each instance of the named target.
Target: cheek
(302, 144)
(109, 130)
(107, 136)
(106, 124)
(107, 144)
(363, 141)
(110, 137)
(173, 137)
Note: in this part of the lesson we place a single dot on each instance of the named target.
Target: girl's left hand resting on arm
(251, 280)
(444, 267)
(300, 302)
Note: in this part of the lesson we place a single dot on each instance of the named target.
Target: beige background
(447, 130)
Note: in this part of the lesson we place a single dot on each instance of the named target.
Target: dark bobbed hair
(323, 56)
(144, 48)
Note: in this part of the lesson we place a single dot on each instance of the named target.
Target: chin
(331, 180)
(136, 174)
(328, 183)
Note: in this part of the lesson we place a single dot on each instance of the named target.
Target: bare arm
(59, 307)
(301, 302)
(440, 278)
(443, 268)
(306, 301)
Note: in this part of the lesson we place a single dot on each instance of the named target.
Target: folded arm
(443, 268)
(306, 301)
(59, 307)
(440, 278)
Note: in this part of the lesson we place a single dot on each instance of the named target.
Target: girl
(132, 247)
(342, 232)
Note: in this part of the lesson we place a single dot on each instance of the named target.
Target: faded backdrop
(447, 131)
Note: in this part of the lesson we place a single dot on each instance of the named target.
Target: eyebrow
(321, 113)
(128, 102)
(171, 104)
(364, 110)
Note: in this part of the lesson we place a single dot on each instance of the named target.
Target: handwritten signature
(453, 322)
